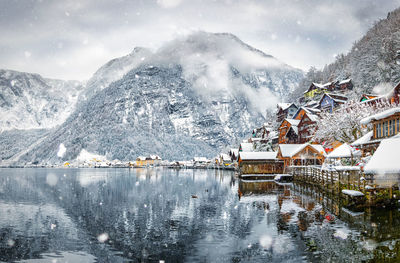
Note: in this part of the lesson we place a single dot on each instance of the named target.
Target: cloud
(59, 35)
(169, 3)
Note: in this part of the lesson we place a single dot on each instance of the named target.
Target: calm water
(122, 215)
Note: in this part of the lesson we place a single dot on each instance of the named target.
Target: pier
(350, 183)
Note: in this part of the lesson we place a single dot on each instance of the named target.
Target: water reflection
(120, 215)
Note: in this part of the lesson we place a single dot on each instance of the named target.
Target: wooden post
(348, 180)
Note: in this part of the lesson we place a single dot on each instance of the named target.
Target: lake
(166, 215)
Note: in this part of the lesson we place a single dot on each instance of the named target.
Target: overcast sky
(72, 39)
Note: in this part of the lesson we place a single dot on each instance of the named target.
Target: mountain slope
(192, 97)
(373, 61)
(29, 101)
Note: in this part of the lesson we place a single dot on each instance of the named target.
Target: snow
(225, 157)
(87, 156)
(345, 81)
(343, 151)
(246, 147)
(346, 168)
(352, 213)
(380, 116)
(293, 122)
(61, 150)
(257, 155)
(352, 192)
(200, 159)
(102, 237)
(289, 150)
(364, 139)
(284, 106)
(386, 158)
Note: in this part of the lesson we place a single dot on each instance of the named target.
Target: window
(398, 125)
(385, 129)
(378, 130)
(393, 127)
(390, 128)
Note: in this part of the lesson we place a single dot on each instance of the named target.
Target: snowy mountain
(193, 96)
(29, 101)
(373, 63)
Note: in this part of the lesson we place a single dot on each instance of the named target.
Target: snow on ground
(87, 156)
(386, 158)
(61, 150)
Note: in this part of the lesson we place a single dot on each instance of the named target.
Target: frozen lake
(133, 215)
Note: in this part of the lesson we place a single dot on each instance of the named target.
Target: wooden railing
(331, 179)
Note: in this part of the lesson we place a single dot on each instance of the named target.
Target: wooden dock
(348, 182)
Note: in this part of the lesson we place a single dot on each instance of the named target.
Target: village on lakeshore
(343, 145)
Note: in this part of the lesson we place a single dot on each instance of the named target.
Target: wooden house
(315, 90)
(385, 161)
(301, 154)
(149, 160)
(330, 101)
(224, 159)
(366, 97)
(284, 130)
(285, 110)
(307, 127)
(307, 123)
(259, 163)
(345, 85)
(392, 97)
(385, 125)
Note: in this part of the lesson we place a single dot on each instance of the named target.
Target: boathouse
(259, 163)
(384, 165)
(301, 154)
(343, 155)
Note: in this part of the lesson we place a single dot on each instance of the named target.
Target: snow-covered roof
(335, 97)
(155, 157)
(385, 159)
(311, 103)
(246, 147)
(200, 159)
(319, 148)
(293, 122)
(257, 155)
(343, 151)
(380, 116)
(364, 139)
(285, 106)
(345, 81)
(141, 158)
(326, 84)
(225, 157)
(289, 150)
(309, 111)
